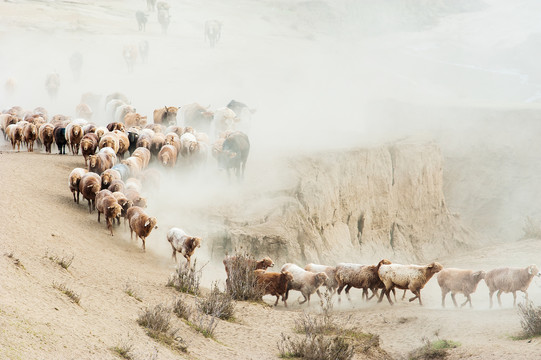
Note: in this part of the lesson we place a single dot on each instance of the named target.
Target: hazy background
(321, 74)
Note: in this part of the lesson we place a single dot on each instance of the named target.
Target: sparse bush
(242, 281)
(157, 320)
(186, 279)
(531, 229)
(530, 319)
(130, 290)
(218, 304)
(64, 261)
(205, 324)
(433, 349)
(124, 350)
(181, 309)
(316, 347)
(76, 298)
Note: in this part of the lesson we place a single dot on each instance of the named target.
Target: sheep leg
(499, 298)
(305, 299)
(277, 298)
(142, 238)
(78, 192)
(468, 299)
(404, 295)
(131, 234)
(110, 224)
(490, 293)
(347, 292)
(319, 294)
(285, 302)
(374, 293)
(454, 300)
(174, 256)
(89, 207)
(99, 216)
(514, 298)
(443, 295)
(417, 294)
(74, 199)
(525, 293)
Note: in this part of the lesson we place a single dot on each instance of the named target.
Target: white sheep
(304, 281)
(510, 280)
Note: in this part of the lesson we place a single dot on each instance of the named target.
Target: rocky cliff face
(359, 205)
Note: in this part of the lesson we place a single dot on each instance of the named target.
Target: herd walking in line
(116, 169)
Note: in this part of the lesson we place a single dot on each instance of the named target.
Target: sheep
(108, 176)
(262, 264)
(175, 130)
(140, 223)
(59, 133)
(123, 170)
(111, 127)
(156, 128)
(134, 196)
(89, 186)
(15, 134)
(30, 133)
(507, 279)
(123, 143)
(156, 143)
(73, 181)
(144, 139)
(274, 283)
(182, 243)
(74, 134)
(304, 281)
(143, 154)
(359, 276)
(331, 284)
(134, 163)
(459, 281)
(411, 277)
(122, 111)
(101, 131)
(168, 156)
(172, 138)
(107, 204)
(125, 203)
(99, 163)
(166, 115)
(117, 186)
(134, 119)
(46, 136)
(5, 121)
(109, 140)
(89, 144)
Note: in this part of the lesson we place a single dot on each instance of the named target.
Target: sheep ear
(147, 223)
(530, 270)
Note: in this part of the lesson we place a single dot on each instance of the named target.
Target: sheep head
(320, 279)
(434, 267)
(533, 270)
(264, 263)
(151, 224)
(287, 275)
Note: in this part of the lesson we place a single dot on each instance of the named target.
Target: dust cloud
(321, 75)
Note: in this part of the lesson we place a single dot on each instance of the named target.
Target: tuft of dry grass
(131, 291)
(217, 304)
(186, 279)
(64, 261)
(124, 350)
(15, 260)
(242, 281)
(433, 349)
(76, 298)
(157, 321)
(181, 309)
(530, 320)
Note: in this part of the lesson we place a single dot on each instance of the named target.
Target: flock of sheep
(112, 183)
(384, 276)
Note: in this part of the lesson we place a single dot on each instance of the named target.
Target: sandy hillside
(275, 56)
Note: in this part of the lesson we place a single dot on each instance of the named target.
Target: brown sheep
(262, 264)
(140, 223)
(117, 185)
(134, 120)
(510, 280)
(30, 135)
(89, 144)
(182, 243)
(157, 128)
(108, 176)
(136, 198)
(125, 203)
(89, 186)
(166, 115)
(74, 180)
(273, 283)
(168, 156)
(304, 281)
(116, 126)
(74, 134)
(46, 136)
(99, 163)
(459, 281)
(107, 204)
(172, 139)
(134, 163)
(109, 140)
(144, 154)
(361, 277)
(410, 277)
(156, 143)
(15, 135)
(144, 141)
(5, 121)
(89, 128)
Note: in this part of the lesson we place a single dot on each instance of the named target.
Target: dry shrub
(316, 347)
(181, 309)
(131, 291)
(64, 261)
(530, 319)
(242, 281)
(205, 324)
(157, 321)
(218, 304)
(76, 298)
(186, 279)
(124, 349)
(433, 349)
